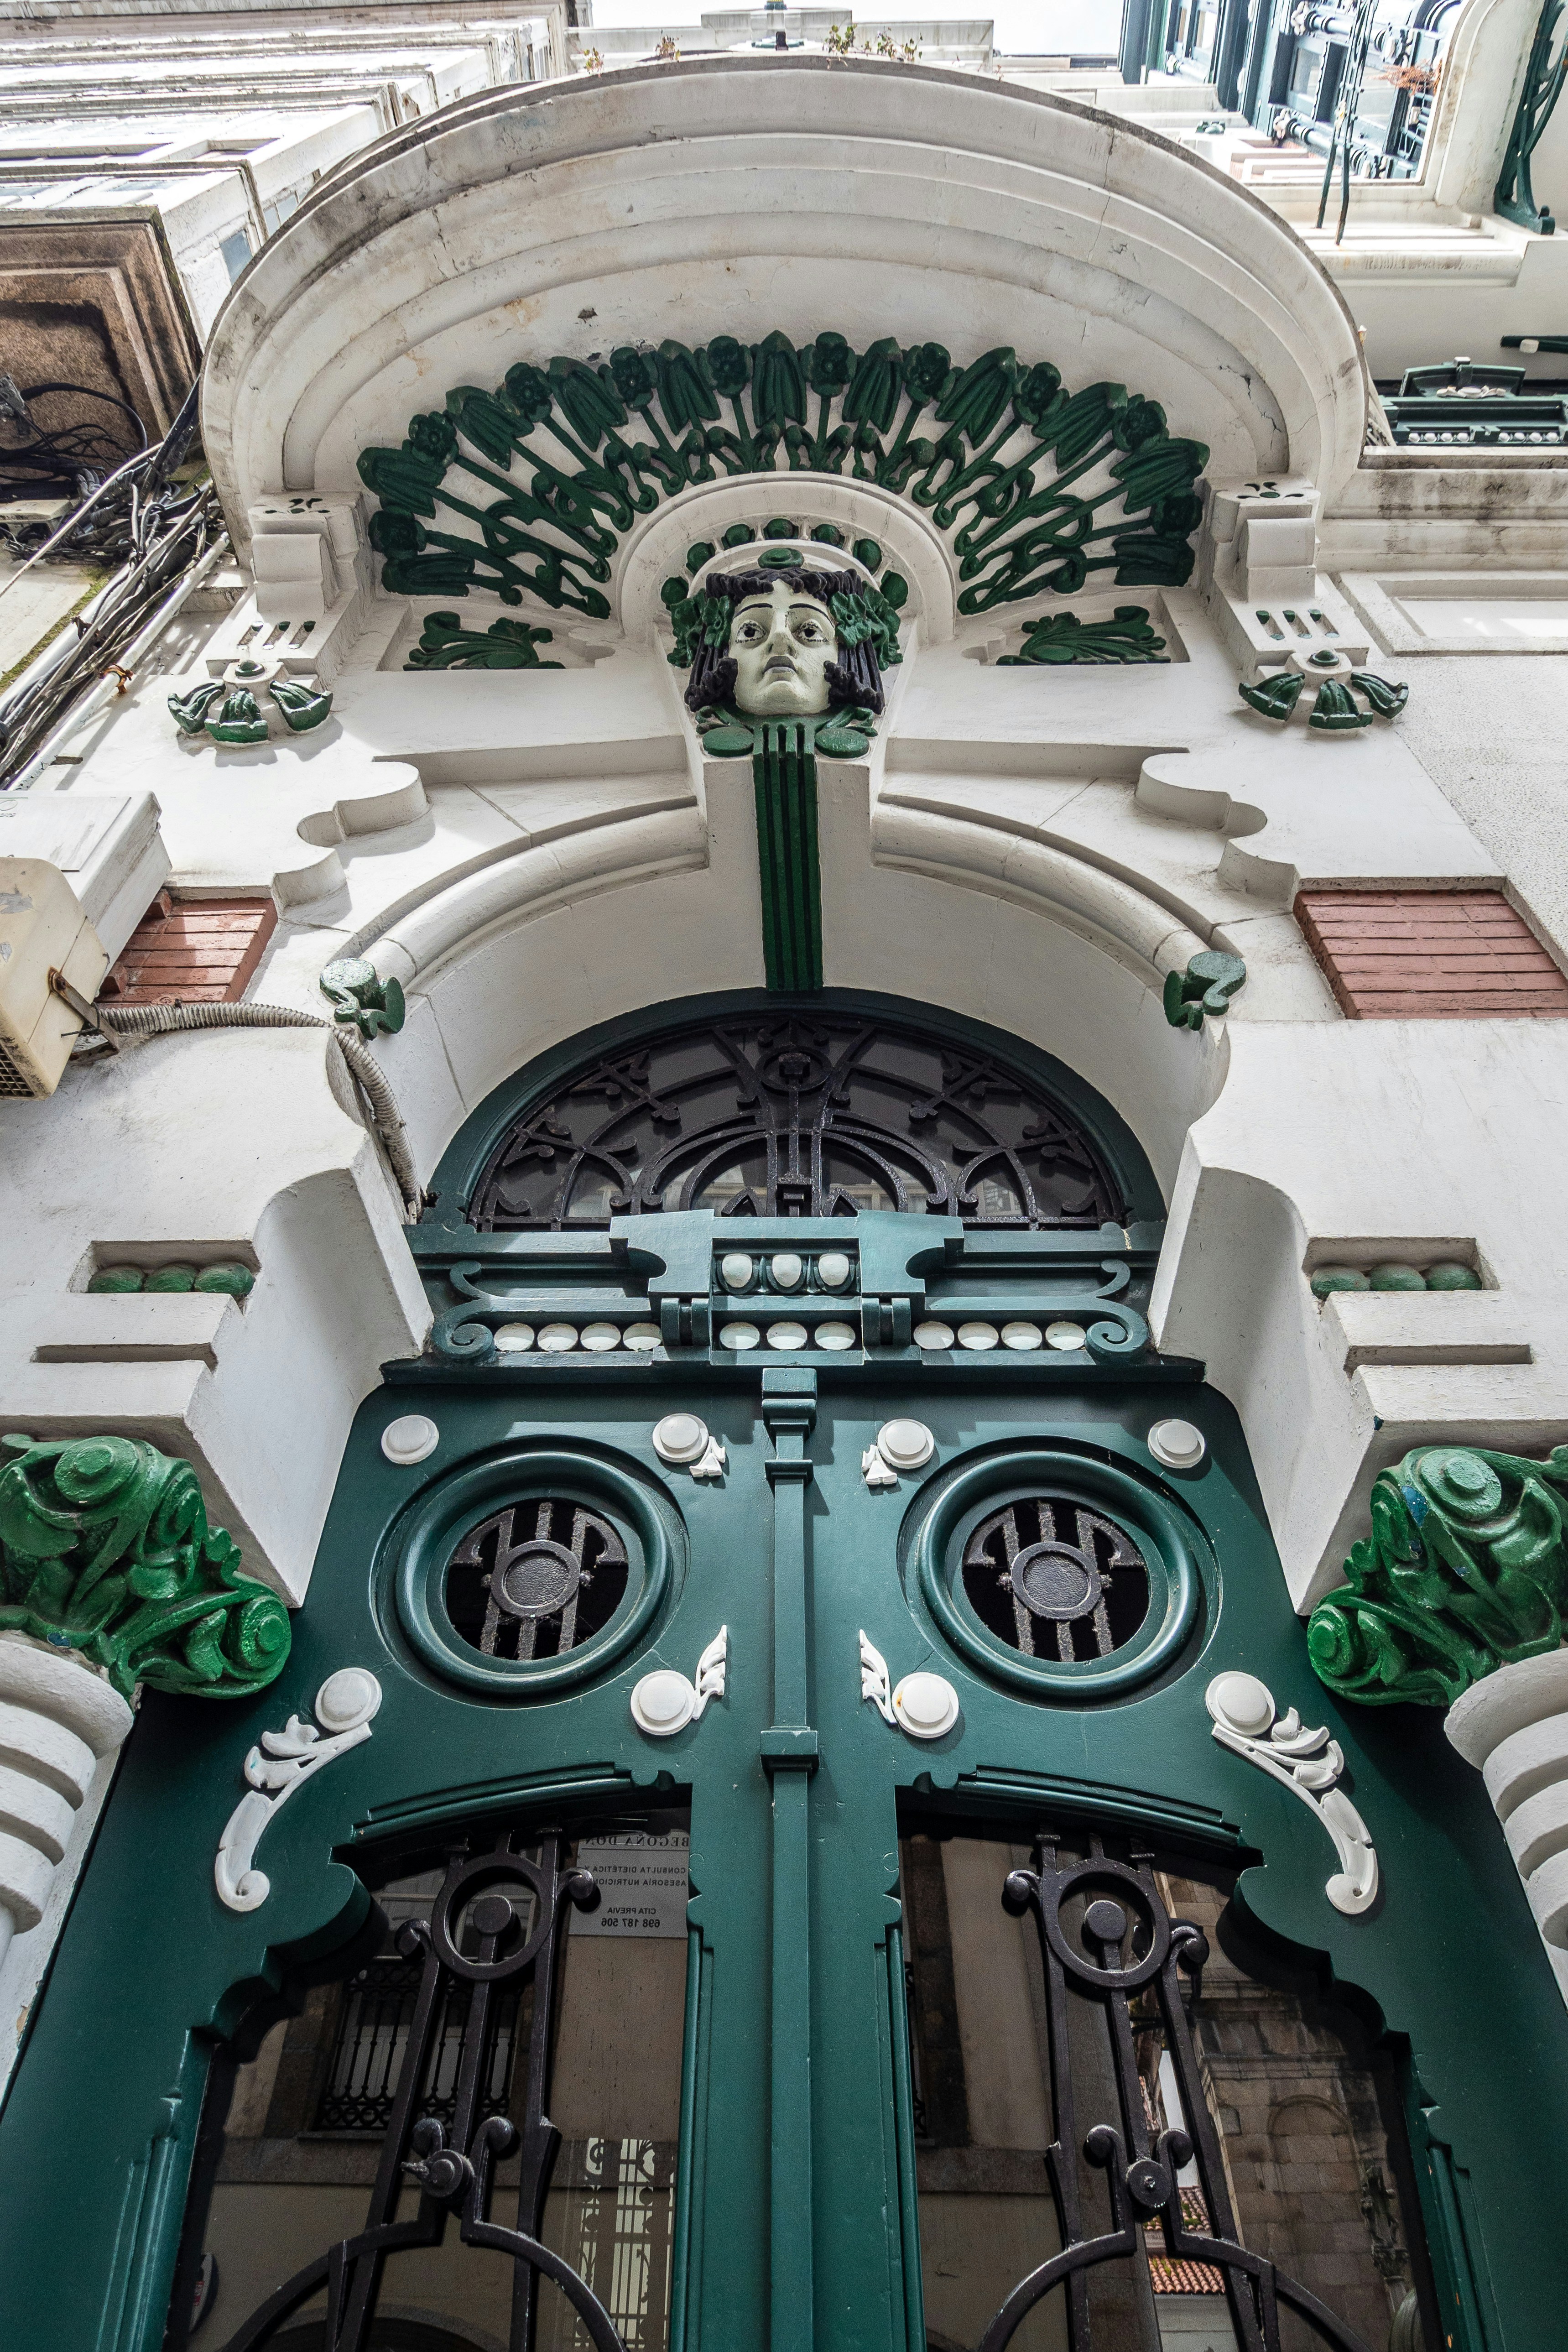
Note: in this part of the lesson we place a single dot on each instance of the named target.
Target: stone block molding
(97, 303)
(1430, 955)
(651, 202)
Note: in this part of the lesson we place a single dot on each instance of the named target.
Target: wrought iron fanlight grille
(1052, 1578)
(535, 1579)
(798, 1115)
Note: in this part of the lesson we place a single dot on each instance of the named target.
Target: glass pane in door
(430, 2051)
(1097, 2063)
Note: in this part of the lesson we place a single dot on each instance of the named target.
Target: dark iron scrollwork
(796, 1116)
(1106, 1938)
(1051, 1572)
(535, 1579)
(487, 1934)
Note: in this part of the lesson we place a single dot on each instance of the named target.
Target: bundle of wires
(69, 460)
(156, 531)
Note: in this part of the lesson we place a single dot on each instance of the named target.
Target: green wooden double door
(787, 1893)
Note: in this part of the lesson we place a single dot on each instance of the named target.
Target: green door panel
(796, 2211)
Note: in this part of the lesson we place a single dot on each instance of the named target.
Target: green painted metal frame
(796, 2222)
(98, 2133)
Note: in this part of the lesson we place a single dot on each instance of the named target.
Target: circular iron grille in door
(535, 1579)
(1053, 1579)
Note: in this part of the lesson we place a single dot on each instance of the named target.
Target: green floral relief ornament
(1063, 638)
(530, 486)
(105, 1549)
(1466, 1569)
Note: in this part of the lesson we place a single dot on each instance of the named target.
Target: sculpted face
(781, 645)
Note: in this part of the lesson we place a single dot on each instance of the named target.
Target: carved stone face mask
(781, 645)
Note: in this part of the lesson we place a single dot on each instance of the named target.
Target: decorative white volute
(898, 1445)
(57, 1716)
(923, 1704)
(1308, 1763)
(664, 1702)
(685, 1443)
(344, 1705)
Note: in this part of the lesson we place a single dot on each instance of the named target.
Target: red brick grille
(191, 952)
(1430, 955)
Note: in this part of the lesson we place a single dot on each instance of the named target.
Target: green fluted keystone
(1275, 697)
(1062, 637)
(239, 720)
(1395, 1275)
(1329, 1278)
(358, 994)
(303, 709)
(190, 710)
(1466, 1569)
(117, 1278)
(1452, 1273)
(105, 1549)
(1334, 711)
(1208, 985)
(1386, 699)
(171, 1277)
(1033, 488)
(237, 1280)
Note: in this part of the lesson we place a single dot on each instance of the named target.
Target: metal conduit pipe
(385, 1120)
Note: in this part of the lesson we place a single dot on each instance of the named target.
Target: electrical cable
(384, 1118)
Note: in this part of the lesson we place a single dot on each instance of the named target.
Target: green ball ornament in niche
(1394, 1275)
(421, 1546)
(237, 1280)
(1329, 1278)
(171, 1277)
(1179, 1570)
(117, 1278)
(1450, 1274)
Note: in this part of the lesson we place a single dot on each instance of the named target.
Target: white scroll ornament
(664, 1703)
(344, 1705)
(1307, 1763)
(924, 1705)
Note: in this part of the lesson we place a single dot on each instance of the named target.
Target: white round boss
(662, 1703)
(926, 1705)
(681, 1437)
(409, 1439)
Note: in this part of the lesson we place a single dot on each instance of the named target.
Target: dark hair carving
(854, 680)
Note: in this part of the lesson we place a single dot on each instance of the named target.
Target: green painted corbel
(1208, 985)
(1061, 637)
(1466, 1569)
(358, 994)
(445, 644)
(105, 1549)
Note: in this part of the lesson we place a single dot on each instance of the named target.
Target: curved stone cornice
(735, 193)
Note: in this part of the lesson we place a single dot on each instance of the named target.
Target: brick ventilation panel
(1430, 955)
(191, 952)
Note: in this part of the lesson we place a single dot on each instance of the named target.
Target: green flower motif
(394, 533)
(530, 392)
(1141, 420)
(434, 435)
(1038, 393)
(831, 363)
(926, 369)
(633, 376)
(486, 423)
(729, 365)
(401, 478)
